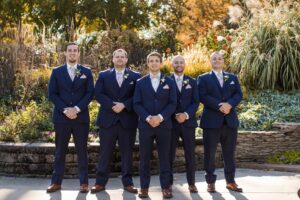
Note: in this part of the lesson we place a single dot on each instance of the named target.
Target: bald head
(217, 61)
(178, 64)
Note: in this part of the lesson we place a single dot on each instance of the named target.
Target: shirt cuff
(148, 118)
(161, 117)
(187, 115)
(77, 109)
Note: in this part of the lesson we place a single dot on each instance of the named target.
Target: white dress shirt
(120, 76)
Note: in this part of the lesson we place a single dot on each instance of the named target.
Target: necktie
(220, 78)
(72, 73)
(119, 78)
(179, 83)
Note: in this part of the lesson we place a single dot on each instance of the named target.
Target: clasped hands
(118, 107)
(225, 107)
(154, 121)
(181, 117)
(71, 112)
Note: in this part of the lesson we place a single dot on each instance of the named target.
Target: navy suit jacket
(64, 92)
(187, 101)
(148, 102)
(108, 91)
(211, 94)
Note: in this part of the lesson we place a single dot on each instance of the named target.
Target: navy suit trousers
(162, 137)
(63, 133)
(187, 135)
(227, 137)
(108, 138)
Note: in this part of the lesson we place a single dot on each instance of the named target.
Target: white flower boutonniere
(125, 76)
(186, 82)
(162, 80)
(226, 77)
(77, 72)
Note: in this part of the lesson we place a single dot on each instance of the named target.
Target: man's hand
(118, 107)
(71, 112)
(180, 117)
(225, 108)
(154, 121)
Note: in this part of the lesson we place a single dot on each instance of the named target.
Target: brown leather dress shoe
(131, 189)
(143, 193)
(193, 189)
(97, 188)
(167, 193)
(211, 187)
(233, 187)
(84, 188)
(53, 188)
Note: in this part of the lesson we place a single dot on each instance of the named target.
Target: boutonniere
(125, 76)
(77, 72)
(226, 77)
(162, 80)
(186, 82)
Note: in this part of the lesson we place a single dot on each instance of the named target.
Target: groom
(71, 90)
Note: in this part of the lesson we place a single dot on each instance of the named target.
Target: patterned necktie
(179, 83)
(119, 78)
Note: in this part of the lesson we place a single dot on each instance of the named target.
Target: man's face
(154, 64)
(72, 54)
(178, 64)
(217, 61)
(120, 59)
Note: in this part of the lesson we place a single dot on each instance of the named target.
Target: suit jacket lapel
(150, 84)
(66, 76)
(160, 84)
(125, 81)
(178, 91)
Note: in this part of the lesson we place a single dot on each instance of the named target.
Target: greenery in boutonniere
(226, 77)
(77, 72)
(125, 76)
(162, 80)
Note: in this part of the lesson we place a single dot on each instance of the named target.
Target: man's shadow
(238, 195)
(216, 196)
(103, 195)
(55, 195)
(81, 196)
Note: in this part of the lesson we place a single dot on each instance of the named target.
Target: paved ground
(257, 185)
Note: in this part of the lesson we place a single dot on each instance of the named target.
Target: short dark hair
(155, 54)
(71, 43)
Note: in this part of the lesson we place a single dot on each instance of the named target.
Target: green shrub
(262, 108)
(266, 51)
(26, 124)
(288, 157)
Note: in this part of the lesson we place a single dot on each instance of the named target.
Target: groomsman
(184, 119)
(154, 102)
(71, 90)
(117, 121)
(220, 93)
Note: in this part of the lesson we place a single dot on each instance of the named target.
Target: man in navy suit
(220, 93)
(117, 120)
(71, 90)
(184, 119)
(155, 101)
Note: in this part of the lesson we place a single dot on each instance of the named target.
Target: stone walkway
(257, 185)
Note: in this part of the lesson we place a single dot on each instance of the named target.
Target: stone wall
(36, 160)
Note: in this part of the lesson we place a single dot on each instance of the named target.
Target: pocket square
(188, 86)
(131, 83)
(83, 76)
(166, 87)
(232, 83)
